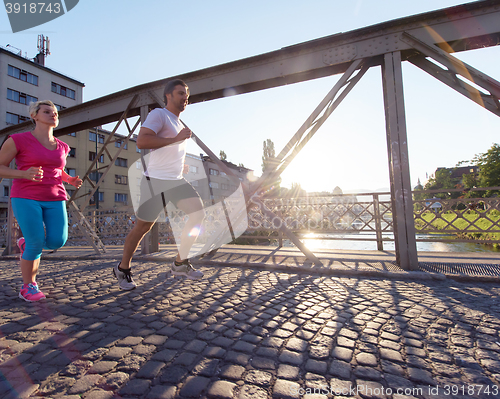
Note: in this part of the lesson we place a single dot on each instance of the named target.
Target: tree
(269, 162)
(268, 155)
(441, 180)
(337, 191)
(296, 191)
(222, 156)
(489, 169)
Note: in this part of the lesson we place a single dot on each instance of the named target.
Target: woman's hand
(34, 174)
(75, 181)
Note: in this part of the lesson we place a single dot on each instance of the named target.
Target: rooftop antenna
(43, 49)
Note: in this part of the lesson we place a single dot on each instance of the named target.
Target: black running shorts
(151, 203)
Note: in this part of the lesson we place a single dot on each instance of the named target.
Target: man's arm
(148, 140)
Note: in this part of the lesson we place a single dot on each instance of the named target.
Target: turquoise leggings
(32, 216)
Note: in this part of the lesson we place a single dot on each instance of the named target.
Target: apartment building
(217, 185)
(114, 190)
(24, 80)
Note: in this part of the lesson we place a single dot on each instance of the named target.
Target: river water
(355, 242)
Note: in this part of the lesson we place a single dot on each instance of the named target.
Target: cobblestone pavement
(242, 333)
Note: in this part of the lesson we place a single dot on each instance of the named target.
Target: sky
(114, 45)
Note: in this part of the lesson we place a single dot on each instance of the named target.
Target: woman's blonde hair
(35, 107)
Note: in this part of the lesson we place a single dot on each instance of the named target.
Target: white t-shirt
(166, 163)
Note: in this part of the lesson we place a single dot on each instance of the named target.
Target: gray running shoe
(125, 281)
(186, 269)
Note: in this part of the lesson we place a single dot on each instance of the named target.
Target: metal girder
(456, 67)
(461, 28)
(399, 165)
(92, 237)
(112, 159)
(313, 123)
(86, 229)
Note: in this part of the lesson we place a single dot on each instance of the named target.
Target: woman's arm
(74, 181)
(7, 154)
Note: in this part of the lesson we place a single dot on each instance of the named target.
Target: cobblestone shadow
(242, 333)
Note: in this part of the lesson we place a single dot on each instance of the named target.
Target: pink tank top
(31, 153)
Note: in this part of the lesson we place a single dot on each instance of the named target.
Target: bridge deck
(432, 265)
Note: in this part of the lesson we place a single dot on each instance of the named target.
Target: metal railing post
(378, 222)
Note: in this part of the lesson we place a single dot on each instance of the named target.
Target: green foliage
(489, 165)
(442, 180)
(222, 156)
(470, 181)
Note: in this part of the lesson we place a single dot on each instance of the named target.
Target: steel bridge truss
(425, 40)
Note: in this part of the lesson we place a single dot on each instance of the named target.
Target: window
(71, 172)
(118, 143)
(120, 179)
(63, 91)
(121, 197)
(72, 134)
(214, 185)
(94, 175)
(100, 195)
(193, 169)
(60, 107)
(138, 164)
(194, 183)
(21, 98)
(5, 191)
(121, 162)
(214, 172)
(72, 152)
(14, 119)
(92, 137)
(92, 157)
(22, 75)
(137, 149)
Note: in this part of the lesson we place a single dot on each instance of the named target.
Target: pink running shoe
(21, 243)
(31, 293)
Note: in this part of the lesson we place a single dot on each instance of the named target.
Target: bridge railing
(451, 216)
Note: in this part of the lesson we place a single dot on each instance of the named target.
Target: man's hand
(184, 134)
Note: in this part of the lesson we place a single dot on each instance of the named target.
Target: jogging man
(163, 182)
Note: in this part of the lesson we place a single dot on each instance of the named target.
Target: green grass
(456, 220)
